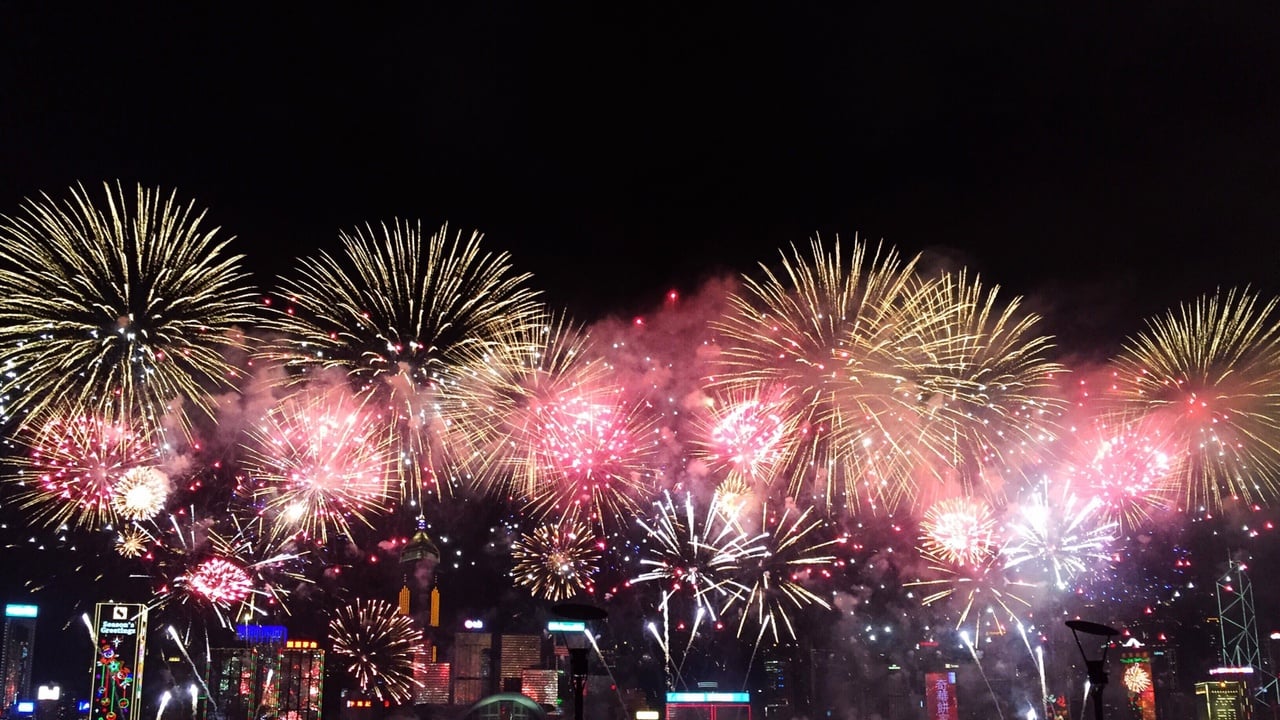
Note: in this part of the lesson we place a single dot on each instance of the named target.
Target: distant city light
(566, 626)
(473, 624)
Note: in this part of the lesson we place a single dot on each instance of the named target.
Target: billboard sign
(120, 646)
(940, 696)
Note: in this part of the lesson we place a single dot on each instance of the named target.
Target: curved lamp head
(1092, 628)
(579, 611)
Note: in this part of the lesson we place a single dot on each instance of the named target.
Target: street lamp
(582, 613)
(1096, 668)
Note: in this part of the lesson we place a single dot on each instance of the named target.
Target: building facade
(19, 649)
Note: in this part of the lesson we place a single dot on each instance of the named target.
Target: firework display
(86, 471)
(320, 462)
(959, 531)
(555, 561)
(379, 644)
(401, 314)
(1209, 371)
(846, 441)
(124, 309)
(1059, 537)
(794, 553)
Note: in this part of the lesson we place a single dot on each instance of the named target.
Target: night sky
(1106, 163)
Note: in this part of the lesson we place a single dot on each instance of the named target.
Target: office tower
(280, 681)
(472, 667)
(301, 688)
(15, 661)
(541, 686)
(432, 679)
(1223, 700)
(517, 654)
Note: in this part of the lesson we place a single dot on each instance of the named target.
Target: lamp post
(1096, 668)
(578, 648)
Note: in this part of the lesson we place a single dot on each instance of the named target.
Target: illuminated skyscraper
(518, 653)
(472, 667)
(15, 662)
(1223, 700)
(278, 681)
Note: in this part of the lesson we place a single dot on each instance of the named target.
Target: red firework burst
(219, 581)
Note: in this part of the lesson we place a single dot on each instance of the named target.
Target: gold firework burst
(401, 314)
(1209, 373)
(125, 309)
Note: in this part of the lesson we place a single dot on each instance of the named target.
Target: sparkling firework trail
(401, 315)
(959, 531)
(1059, 537)
(792, 556)
(320, 463)
(980, 379)
(556, 561)
(379, 644)
(1211, 370)
(701, 553)
(984, 586)
(122, 310)
(73, 466)
(831, 335)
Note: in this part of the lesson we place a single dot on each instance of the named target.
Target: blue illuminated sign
(708, 697)
(21, 610)
(82, 706)
(262, 634)
(26, 707)
(564, 626)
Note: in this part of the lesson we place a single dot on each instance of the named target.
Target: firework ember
(379, 645)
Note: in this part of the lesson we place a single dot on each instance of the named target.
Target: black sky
(1109, 161)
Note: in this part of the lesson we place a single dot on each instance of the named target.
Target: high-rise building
(517, 654)
(432, 682)
(281, 681)
(301, 680)
(1223, 700)
(472, 667)
(15, 661)
(541, 686)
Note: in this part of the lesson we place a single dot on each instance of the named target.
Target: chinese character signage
(121, 644)
(940, 696)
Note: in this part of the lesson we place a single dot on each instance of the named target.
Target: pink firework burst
(589, 446)
(960, 531)
(1128, 463)
(219, 581)
(70, 472)
(320, 463)
(746, 436)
